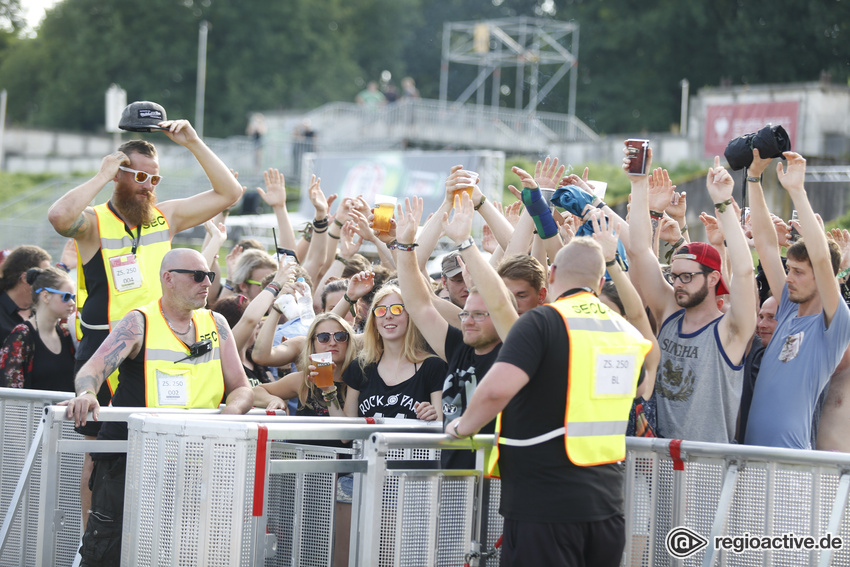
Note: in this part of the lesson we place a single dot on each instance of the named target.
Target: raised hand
(349, 240)
(669, 231)
(660, 191)
(320, 203)
(713, 232)
(488, 241)
(408, 219)
(547, 174)
(678, 206)
(459, 228)
(513, 211)
(360, 284)
(719, 182)
(605, 233)
(180, 131)
(275, 193)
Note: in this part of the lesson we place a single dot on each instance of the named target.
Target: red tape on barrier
(370, 420)
(260, 469)
(676, 455)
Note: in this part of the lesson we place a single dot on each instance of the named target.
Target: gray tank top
(698, 389)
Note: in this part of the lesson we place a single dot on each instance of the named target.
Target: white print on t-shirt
(384, 403)
(791, 348)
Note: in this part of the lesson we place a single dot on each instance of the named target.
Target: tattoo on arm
(223, 327)
(86, 382)
(121, 341)
(78, 226)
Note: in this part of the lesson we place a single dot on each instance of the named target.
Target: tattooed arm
(124, 341)
(240, 397)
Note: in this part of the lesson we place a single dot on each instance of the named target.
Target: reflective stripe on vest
(594, 428)
(154, 243)
(201, 378)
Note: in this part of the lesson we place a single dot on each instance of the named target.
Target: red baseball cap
(706, 255)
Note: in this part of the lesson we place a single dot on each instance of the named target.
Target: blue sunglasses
(66, 296)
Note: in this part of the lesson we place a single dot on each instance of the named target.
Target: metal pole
(202, 77)
(3, 99)
(444, 64)
(683, 118)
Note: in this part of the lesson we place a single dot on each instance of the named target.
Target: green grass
(13, 184)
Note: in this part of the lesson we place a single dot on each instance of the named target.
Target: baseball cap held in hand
(142, 116)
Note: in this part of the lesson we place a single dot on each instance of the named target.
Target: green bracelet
(721, 207)
(843, 273)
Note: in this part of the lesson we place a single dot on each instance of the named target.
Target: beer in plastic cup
(637, 155)
(466, 173)
(323, 361)
(383, 211)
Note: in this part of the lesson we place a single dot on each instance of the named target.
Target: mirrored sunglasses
(142, 176)
(339, 336)
(395, 309)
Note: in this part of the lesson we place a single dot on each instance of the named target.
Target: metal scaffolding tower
(511, 42)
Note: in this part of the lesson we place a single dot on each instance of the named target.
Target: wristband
(63, 266)
(455, 428)
(655, 214)
(336, 222)
(611, 262)
(843, 273)
(317, 230)
(481, 202)
(321, 223)
(348, 299)
(87, 392)
(465, 244)
(276, 307)
(679, 242)
(341, 260)
(721, 207)
(752, 179)
(273, 288)
(226, 285)
(684, 229)
(335, 237)
(601, 204)
(404, 247)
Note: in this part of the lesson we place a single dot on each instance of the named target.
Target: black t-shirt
(9, 316)
(539, 483)
(95, 309)
(466, 369)
(378, 399)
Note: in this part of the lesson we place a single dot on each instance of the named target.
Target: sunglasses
(253, 282)
(339, 337)
(395, 309)
(142, 176)
(66, 296)
(198, 275)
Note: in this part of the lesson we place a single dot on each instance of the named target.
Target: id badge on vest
(615, 373)
(126, 274)
(172, 388)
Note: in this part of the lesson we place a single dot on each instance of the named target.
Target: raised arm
(739, 324)
(764, 230)
(645, 270)
(71, 215)
(792, 178)
(259, 306)
(267, 355)
(414, 289)
(226, 190)
(124, 341)
(275, 197)
(605, 231)
(493, 291)
(433, 227)
(315, 259)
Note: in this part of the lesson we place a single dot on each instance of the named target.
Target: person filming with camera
(169, 353)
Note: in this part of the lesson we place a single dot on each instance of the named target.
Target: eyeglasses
(198, 275)
(66, 296)
(339, 336)
(395, 309)
(253, 282)
(477, 316)
(142, 176)
(684, 277)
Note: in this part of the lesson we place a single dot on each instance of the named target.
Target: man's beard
(694, 299)
(136, 208)
(798, 300)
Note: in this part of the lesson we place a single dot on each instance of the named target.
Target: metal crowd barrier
(733, 491)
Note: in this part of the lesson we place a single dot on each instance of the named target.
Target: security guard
(561, 439)
(169, 353)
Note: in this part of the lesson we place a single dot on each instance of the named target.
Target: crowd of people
(561, 330)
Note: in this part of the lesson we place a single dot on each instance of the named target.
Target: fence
(249, 490)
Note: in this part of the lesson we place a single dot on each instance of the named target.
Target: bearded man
(121, 243)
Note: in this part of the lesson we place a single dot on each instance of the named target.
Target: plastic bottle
(305, 302)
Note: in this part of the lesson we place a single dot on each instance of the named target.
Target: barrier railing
(199, 482)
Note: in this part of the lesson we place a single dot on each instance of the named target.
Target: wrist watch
(465, 244)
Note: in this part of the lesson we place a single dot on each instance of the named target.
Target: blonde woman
(328, 333)
(395, 376)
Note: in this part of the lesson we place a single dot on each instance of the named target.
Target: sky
(34, 11)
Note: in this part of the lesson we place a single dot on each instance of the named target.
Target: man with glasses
(121, 243)
(700, 376)
(169, 353)
(489, 311)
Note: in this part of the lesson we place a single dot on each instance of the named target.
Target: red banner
(728, 121)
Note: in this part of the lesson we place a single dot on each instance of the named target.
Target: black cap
(142, 116)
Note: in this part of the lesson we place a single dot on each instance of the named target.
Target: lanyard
(135, 239)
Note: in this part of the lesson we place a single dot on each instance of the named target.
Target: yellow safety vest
(154, 241)
(605, 357)
(172, 379)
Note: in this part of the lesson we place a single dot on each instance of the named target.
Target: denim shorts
(344, 488)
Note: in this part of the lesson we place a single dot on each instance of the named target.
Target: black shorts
(577, 544)
(92, 428)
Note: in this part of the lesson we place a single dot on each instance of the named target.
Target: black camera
(770, 141)
(197, 350)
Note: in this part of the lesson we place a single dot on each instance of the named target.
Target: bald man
(169, 353)
(562, 507)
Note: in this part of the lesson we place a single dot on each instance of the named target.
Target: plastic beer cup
(323, 362)
(383, 211)
(468, 189)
